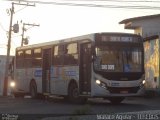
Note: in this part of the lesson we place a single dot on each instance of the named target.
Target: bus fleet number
(108, 67)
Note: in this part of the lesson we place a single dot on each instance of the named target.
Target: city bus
(99, 65)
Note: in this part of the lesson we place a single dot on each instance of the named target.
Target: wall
(151, 60)
(138, 31)
(149, 26)
(2, 72)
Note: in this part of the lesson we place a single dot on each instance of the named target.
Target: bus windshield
(118, 59)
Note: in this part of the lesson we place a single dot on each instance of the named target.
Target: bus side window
(28, 58)
(58, 55)
(19, 59)
(71, 54)
(55, 55)
(37, 57)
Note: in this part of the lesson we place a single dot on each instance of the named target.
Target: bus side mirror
(93, 58)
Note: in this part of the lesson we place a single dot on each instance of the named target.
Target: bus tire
(116, 100)
(74, 94)
(33, 90)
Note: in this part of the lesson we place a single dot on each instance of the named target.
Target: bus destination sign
(105, 38)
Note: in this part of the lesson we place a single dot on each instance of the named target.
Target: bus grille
(123, 90)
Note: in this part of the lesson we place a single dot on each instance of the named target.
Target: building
(145, 25)
(2, 72)
(149, 28)
(152, 63)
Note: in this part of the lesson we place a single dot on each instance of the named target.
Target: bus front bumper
(104, 91)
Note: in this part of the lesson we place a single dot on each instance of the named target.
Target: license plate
(124, 92)
(114, 84)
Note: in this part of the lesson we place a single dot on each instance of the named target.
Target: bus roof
(72, 39)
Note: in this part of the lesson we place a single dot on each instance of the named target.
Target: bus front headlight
(98, 82)
(143, 82)
(12, 84)
(101, 84)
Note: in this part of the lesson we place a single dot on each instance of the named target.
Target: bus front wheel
(74, 94)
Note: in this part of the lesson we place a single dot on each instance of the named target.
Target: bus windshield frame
(124, 53)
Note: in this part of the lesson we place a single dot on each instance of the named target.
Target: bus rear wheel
(74, 94)
(116, 100)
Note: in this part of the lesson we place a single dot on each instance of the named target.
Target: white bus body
(82, 67)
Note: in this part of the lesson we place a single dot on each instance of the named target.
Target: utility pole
(5, 87)
(8, 53)
(24, 29)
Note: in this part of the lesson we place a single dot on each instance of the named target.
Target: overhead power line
(143, 1)
(94, 5)
(114, 0)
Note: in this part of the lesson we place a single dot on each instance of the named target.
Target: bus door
(46, 70)
(85, 69)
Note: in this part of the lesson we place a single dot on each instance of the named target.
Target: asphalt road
(36, 108)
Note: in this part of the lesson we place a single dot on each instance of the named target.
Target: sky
(57, 21)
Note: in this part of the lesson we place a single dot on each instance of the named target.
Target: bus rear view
(118, 66)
